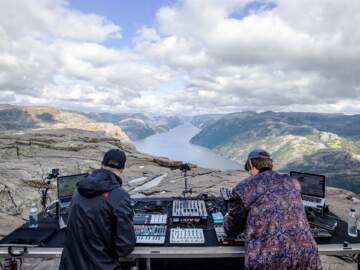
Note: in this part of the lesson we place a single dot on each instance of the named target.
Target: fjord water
(175, 144)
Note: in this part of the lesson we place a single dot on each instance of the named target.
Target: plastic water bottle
(33, 216)
(352, 223)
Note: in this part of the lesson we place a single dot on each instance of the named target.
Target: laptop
(66, 186)
(312, 189)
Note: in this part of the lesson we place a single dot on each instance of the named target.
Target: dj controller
(178, 220)
(193, 221)
(150, 234)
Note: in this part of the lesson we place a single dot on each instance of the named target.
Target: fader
(187, 236)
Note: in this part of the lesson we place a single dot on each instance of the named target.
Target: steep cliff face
(297, 141)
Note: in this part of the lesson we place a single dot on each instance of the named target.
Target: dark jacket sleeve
(235, 219)
(125, 236)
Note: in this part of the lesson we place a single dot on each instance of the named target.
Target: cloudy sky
(187, 56)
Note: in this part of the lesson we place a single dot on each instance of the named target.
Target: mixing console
(150, 234)
(193, 221)
(187, 236)
(189, 208)
(141, 218)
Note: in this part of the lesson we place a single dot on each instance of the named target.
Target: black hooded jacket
(100, 227)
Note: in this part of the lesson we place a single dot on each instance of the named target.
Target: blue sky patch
(129, 14)
(251, 8)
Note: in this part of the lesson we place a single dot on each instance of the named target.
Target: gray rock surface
(27, 157)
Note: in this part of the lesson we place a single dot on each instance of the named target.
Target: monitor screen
(311, 184)
(66, 185)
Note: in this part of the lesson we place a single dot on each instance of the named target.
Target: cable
(347, 259)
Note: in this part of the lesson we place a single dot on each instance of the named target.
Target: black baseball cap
(114, 158)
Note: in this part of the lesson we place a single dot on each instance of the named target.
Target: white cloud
(53, 54)
(52, 19)
(300, 55)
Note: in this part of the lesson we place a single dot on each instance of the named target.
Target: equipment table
(152, 252)
(52, 247)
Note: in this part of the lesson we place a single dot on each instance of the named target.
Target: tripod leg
(148, 264)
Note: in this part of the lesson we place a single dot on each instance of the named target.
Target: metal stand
(187, 189)
(46, 186)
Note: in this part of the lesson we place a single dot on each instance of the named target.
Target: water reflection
(175, 144)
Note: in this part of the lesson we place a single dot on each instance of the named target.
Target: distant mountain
(139, 125)
(205, 119)
(312, 142)
(21, 118)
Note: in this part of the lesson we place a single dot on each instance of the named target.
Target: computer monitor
(311, 184)
(66, 185)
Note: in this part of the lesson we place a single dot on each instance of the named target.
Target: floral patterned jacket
(277, 234)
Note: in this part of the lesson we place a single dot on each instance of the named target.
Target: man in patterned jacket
(268, 208)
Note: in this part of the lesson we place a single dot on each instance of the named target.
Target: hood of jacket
(98, 182)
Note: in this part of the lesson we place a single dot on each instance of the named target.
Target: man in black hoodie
(100, 227)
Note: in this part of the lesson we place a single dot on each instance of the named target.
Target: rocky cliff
(76, 145)
(27, 157)
(318, 143)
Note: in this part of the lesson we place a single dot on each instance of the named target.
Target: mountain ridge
(20, 118)
(297, 141)
(139, 125)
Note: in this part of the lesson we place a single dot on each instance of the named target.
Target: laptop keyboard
(311, 199)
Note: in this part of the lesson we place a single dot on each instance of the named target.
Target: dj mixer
(189, 208)
(179, 221)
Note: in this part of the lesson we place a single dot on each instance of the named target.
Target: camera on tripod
(54, 174)
(46, 186)
(185, 167)
(187, 189)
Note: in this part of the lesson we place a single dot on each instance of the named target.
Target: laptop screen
(311, 184)
(66, 185)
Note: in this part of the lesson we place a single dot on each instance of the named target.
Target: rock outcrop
(27, 157)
